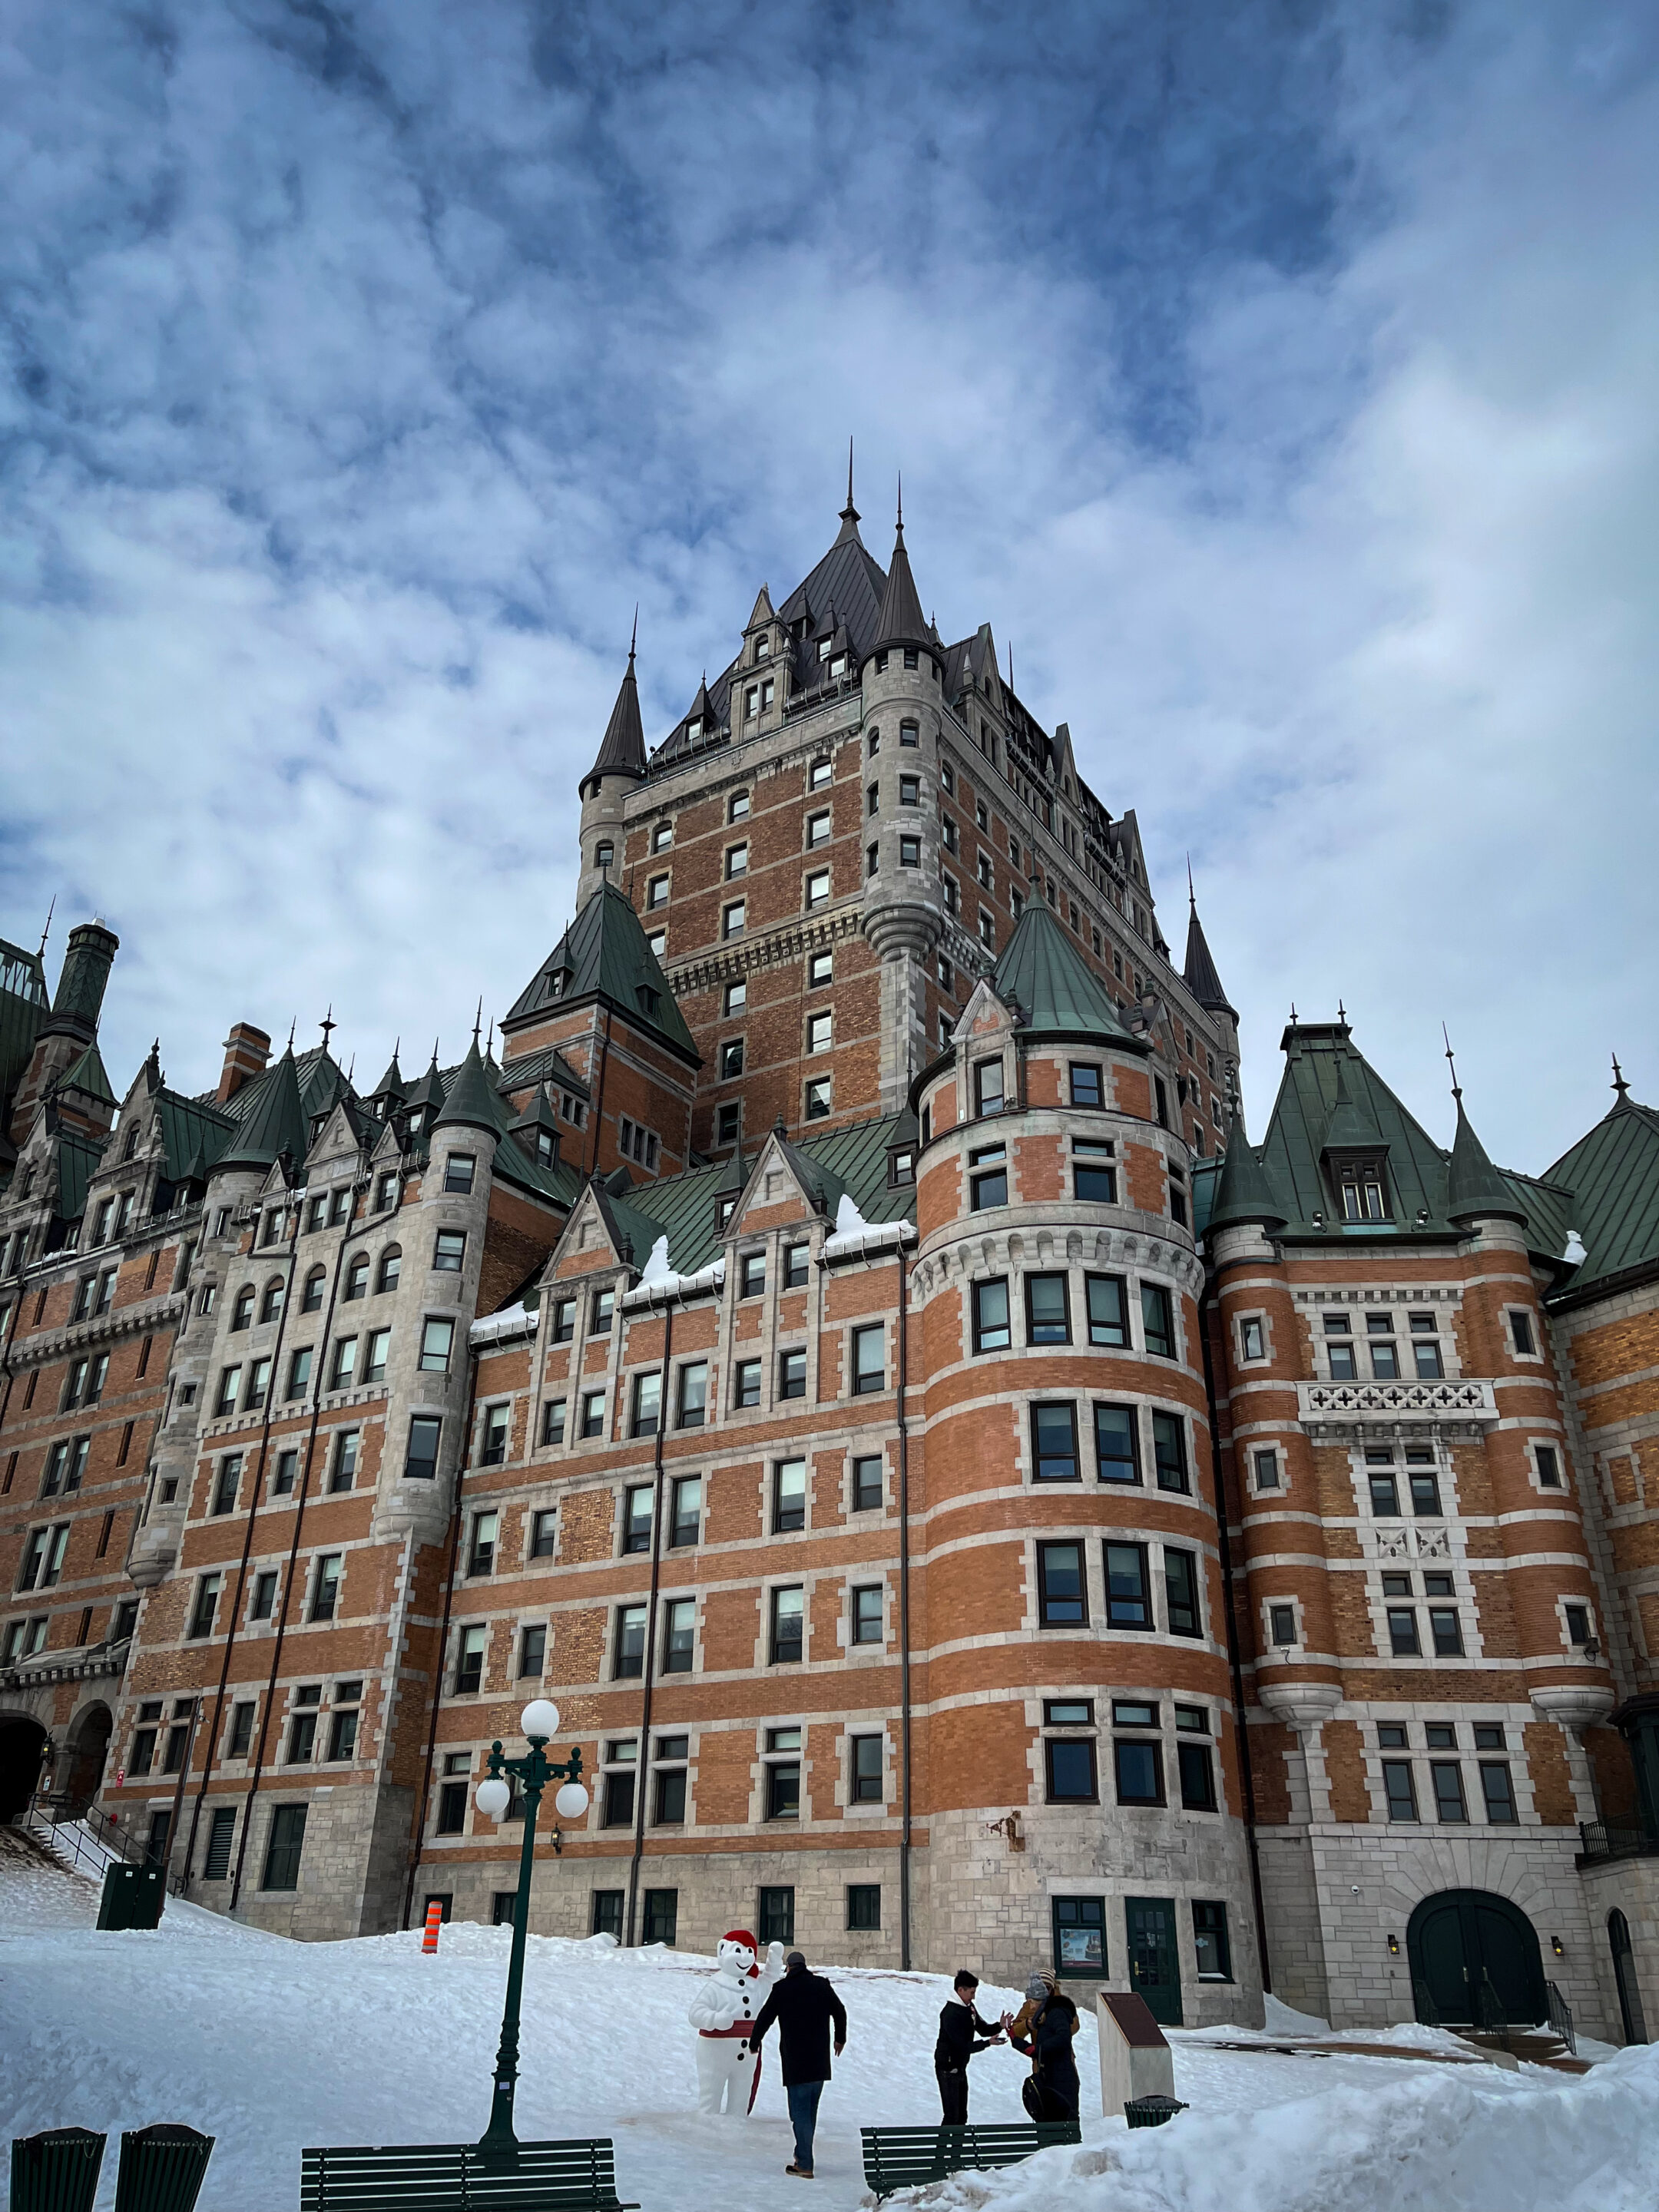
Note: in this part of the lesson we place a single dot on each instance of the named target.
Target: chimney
(247, 1054)
(72, 1024)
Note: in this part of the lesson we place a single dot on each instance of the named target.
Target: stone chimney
(247, 1054)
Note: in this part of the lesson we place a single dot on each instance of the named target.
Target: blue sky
(1278, 378)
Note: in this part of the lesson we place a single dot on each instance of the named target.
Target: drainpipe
(598, 1094)
(371, 1222)
(640, 1766)
(904, 1614)
(247, 1544)
(1244, 1769)
(417, 1840)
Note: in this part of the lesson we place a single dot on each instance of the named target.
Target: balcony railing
(1601, 1841)
(1327, 1402)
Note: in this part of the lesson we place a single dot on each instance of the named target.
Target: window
(736, 864)
(1086, 1083)
(737, 807)
(202, 1612)
(747, 1382)
(817, 889)
(863, 1906)
(601, 1313)
(283, 1848)
(1426, 1353)
(421, 1463)
(286, 1473)
(792, 1375)
(647, 1405)
(1403, 1640)
(345, 1364)
(391, 1264)
(326, 1586)
(458, 1170)
(788, 1625)
(241, 1313)
(797, 1265)
(1128, 1592)
(1053, 1443)
(1425, 1488)
(1266, 1464)
(263, 1604)
(241, 1740)
(449, 1251)
(679, 1617)
(1496, 1790)
(1363, 1190)
(1210, 1949)
(869, 1361)
(1448, 1778)
(316, 1282)
(1549, 1466)
(1180, 1592)
(1094, 1178)
(342, 1734)
(819, 774)
(1070, 1764)
(1139, 1769)
(910, 852)
(1579, 1624)
(788, 1496)
(629, 1660)
(376, 1347)
(1252, 1338)
(437, 1341)
(619, 1783)
(1079, 1924)
(230, 1384)
(867, 1483)
(737, 998)
(693, 1394)
(607, 1910)
(992, 1332)
(1281, 1625)
(731, 1059)
(1197, 1773)
(908, 730)
(1338, 1351)
(988, 1181)
(1157, 1320)
(592, 1422)
(820, 969)
(867, 1615)
(346, 1447)
(731, 919)
(486, 1529)
(636, 1518)
(817, 1098)
(1385, 1353)
(1169, 1451)
(544, 1533)
(901, 1166)
(227, 1483)
(1048, 1310)
(1521, 1334)
(1445, 1626)
(1062, 1600)
(988, 1097)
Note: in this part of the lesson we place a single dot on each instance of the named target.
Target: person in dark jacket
(958, 2024)
(804, 2007)
(1048, 2044)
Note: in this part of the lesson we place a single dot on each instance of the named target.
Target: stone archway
(1470, 1950)
(88, 1749)
(24, 1744)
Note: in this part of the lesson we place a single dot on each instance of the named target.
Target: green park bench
(907, 2158)
(543, 2176)
(161, 2170)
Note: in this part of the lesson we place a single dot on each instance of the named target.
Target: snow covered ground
(269, 2045)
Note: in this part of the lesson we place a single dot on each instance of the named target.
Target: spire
(1474, 1189)
(427, 1091)
(272, 1120)
(52, 908)
(1244, 1193)
(468, 1100)
(901, 621)
(1198, 970)
(1619, 1082)
(391, 1086)
(622, 752)
(849, 513)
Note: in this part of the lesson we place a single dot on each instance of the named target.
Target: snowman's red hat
(741, 1935)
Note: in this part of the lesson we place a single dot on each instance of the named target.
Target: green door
(1467, 1941)
(1154, 1963)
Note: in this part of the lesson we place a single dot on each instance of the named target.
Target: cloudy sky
(1279, 378)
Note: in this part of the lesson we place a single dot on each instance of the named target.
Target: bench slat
(577, 2175)
(903, 2158)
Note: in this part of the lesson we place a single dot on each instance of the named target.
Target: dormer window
(824, 644)
(694, 729)
(838, 665)
(1363, 1189)
(762, 647)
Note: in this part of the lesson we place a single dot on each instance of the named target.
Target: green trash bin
(57, 2172)
(1151, 2112)
(133, 1896)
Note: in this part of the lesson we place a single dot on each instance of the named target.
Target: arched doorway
(88, 1748)
(1624, 1975)
(1468, 1949)
(23, 1744)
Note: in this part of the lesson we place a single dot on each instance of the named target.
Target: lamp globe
(493, 1797)
(540, 1718)
(571, 1801)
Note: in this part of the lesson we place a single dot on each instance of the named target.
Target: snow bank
(269, 2045)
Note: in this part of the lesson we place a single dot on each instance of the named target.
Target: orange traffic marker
(434, 1921)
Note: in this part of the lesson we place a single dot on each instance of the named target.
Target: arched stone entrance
(1470, 1948)
(88, 1748)
(23, 1744)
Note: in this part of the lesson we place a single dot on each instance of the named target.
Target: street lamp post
(539, 1721)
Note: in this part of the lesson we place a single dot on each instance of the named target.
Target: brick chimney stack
(247, 1054)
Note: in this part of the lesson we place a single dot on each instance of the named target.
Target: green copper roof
(24, 1005)
(88, 1075)
(1242, 1193)
(193, 1134)
(603, 955)
(1474, 1186)
(1613, 1176)
(77, 1161)
(471, 1099)
(1042, 973)
(273, 1119)
(390, 1084)
(426, 1090)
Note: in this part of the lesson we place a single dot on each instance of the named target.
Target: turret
(618, 766)
(72, 1024)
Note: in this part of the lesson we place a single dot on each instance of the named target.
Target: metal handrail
(1605, 1839)
(87, 1837)
(1561, 2017)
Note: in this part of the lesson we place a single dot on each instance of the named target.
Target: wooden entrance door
(1154, 1962)
(1465, 1943)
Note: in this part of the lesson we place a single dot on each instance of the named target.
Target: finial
(1292, 1014)
(1342, 1013)
(478, 1023)
(397, 1041)
(489, 1042)
(901, 508)
(1192, 896)
(633, 638)
(434, 1052)
(328, 1025)
(1619, 1082)
(46, 932)
(292, 1026)
(849, 513)
(1452, 1064)
(351, 1071)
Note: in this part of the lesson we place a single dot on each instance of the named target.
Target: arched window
(243, 1314)
(273, 1299)
(392, 1260)
(357, 1277)
(312, 1300)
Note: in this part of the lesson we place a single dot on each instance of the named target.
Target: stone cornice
(744, 956)
(147, 1315)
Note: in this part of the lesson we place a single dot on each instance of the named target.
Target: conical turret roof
(1474, 1186)
(390, 1084)
(426, 1090)
(1244, 1193)
(272, 1119)
(1042, 973)
(901, 621)
(622, 752)
(470, 1099)
(1199, 970)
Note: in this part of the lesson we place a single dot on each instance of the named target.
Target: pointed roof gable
(426, 1090)
(193, 1135)
(1242, 1193)
(901, 621)
(1042, 973)
(621, 751)
(88, 1077)
(537, 1114)
(603, 955)
(1612, 1179)
(390, 1084)
(470, 1099)
(1474, 1188)
(272, 1119)
(1198, 970)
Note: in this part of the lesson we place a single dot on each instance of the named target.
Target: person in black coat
(1054, 2022)
(958, 2024)
(804, 2007)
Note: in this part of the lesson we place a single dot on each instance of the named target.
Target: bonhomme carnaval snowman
(723, 2012)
